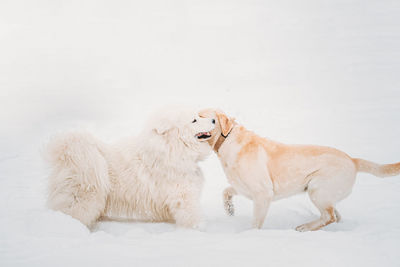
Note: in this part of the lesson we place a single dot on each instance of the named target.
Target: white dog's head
(182, 128)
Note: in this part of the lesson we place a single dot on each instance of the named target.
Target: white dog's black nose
(213, 121)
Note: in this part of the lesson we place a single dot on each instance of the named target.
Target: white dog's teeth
(203, 135)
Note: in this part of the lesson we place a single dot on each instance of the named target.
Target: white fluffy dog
(153, 177)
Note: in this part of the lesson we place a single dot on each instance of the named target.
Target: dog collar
(227, 134)
(221, 140)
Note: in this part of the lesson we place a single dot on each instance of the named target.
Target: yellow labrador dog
(264, 170)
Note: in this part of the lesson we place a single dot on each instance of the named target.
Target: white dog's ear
(162, 126)
(207, 113)
(225, 122)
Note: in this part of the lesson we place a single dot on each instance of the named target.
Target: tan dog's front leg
(229, 192)
(261, 202)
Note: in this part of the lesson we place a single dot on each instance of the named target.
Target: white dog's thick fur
(152, 177)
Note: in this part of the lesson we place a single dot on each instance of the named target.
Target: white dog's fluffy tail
(79, 182)
(379, 170)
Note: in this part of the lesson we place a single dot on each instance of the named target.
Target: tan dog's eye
(194, 121)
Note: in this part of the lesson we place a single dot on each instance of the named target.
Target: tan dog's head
(223, 125)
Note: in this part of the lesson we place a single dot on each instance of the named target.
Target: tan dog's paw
(229, 208)
(228, 193)
(303, 228)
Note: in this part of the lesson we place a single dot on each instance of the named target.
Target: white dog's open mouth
(203, 135)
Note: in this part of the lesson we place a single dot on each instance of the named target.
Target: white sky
(270, 63)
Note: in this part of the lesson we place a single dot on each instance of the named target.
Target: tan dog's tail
(379, 170)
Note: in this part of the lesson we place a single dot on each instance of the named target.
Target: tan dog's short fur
(264, 170)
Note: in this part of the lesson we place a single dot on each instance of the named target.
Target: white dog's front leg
(186, 214)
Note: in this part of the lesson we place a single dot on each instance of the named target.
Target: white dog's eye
(194, 121)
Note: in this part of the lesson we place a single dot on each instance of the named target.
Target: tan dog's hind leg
(326, 189)
(229, 192)
(327, 217)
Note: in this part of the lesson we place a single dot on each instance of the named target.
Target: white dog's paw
(191, 222)
(201, 226)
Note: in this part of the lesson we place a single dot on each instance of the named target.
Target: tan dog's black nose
(213, 121)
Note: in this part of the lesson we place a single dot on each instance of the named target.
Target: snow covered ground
(320, 72)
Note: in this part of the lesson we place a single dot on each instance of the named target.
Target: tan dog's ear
(225, 123)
